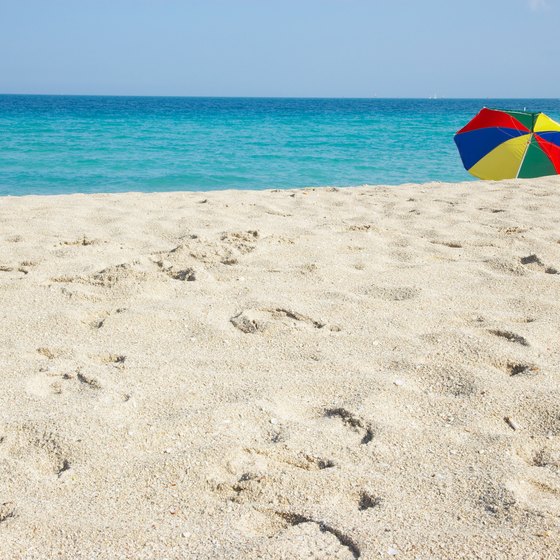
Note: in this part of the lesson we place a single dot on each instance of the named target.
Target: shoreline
(264, 190)
(342, 372)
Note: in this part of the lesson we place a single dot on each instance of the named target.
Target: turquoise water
(67, 144)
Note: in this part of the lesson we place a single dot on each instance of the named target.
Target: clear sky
(307, 48)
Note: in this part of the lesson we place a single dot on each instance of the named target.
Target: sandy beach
(369, 372)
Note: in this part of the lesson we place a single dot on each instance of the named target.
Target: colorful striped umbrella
(507, 144)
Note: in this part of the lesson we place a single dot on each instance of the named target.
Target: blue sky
(322, 48)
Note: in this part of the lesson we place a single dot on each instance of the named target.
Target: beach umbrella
(500, 144)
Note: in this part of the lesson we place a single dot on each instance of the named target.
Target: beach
(324, 373)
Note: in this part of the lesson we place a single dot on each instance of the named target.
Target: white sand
(367, 372)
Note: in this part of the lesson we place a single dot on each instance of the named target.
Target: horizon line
(431, 98)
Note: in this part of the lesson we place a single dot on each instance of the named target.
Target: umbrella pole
(523, 158)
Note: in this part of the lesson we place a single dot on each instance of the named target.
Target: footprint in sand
(547, 457)
(450, 244)
(54, 381)
(364, 228)
(124, 273)
(283, 485)
(243, 241)
(13, 272)
(39, 450)
(123, 277)
(255, 463)
(368, 501)
(48, 380)
(264, 478)
(497, 499)
(51, 353)
(512, 230)
(99, 320)
(293, 459)
(226, 250)
(315, 539)
(82, 241)
(18, 270)
(510, 336)
(542, 456)
(118, 281)
(261, 320)
(353, 422)
(522, 369)
(262, 487)
(183, 274)
(54, 377)
(506, 266)
(533, 262)
(88, 379)
(7, 511)
(116, 359)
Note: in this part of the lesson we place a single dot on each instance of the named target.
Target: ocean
(70, 144)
